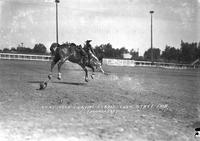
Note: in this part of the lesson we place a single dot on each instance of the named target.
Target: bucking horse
(75, 54)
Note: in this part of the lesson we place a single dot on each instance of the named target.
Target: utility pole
(57, 1)
(151, 12)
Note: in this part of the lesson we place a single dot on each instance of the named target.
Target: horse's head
(53, 47)
(72, 44)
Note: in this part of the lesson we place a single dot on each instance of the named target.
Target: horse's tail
(95, 61)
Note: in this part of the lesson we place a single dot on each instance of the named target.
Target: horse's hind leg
(86, 72)
(90, 66)
(92, 76)
(101, 69)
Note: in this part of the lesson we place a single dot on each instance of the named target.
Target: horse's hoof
(50, 76)
(92, 76)
(106, 73)
(59, 76)
(43, 85)
(86, 80)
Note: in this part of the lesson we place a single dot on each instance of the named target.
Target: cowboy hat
(88, 41)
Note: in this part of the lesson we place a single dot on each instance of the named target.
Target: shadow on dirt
(67, 83)
(35, 82)
(195, 124)
(71, 83)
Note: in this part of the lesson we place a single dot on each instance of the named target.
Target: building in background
(127, 56)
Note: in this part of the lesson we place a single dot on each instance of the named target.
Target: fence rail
(111, 62)
(132, 63)
(10, 56)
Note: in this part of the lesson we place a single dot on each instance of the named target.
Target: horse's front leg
(62, 61)
(59, 69)
(53, 63)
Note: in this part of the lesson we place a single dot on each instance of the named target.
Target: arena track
(129, 104)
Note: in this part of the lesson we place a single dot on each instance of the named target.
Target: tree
(108, 50)
(156, 54)
(134, 54)
(22, 49)
(40, 49)
(198, 50)
(6, 50)
(13, 49)
(188, 52)
(25, 50)
(171, 54)
(122, 51)
(99, 52)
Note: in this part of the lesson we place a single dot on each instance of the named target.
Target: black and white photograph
(99, 70)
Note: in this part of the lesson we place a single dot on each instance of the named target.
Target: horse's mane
(69, 44)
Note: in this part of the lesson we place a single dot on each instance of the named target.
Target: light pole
(57, 1)
(151, 12)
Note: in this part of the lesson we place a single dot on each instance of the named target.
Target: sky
(123, 23)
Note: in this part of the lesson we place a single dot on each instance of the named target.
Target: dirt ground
(129, 104)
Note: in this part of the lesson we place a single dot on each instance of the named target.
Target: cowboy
(89, 50)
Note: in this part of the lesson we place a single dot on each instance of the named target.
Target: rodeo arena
(72, 95)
